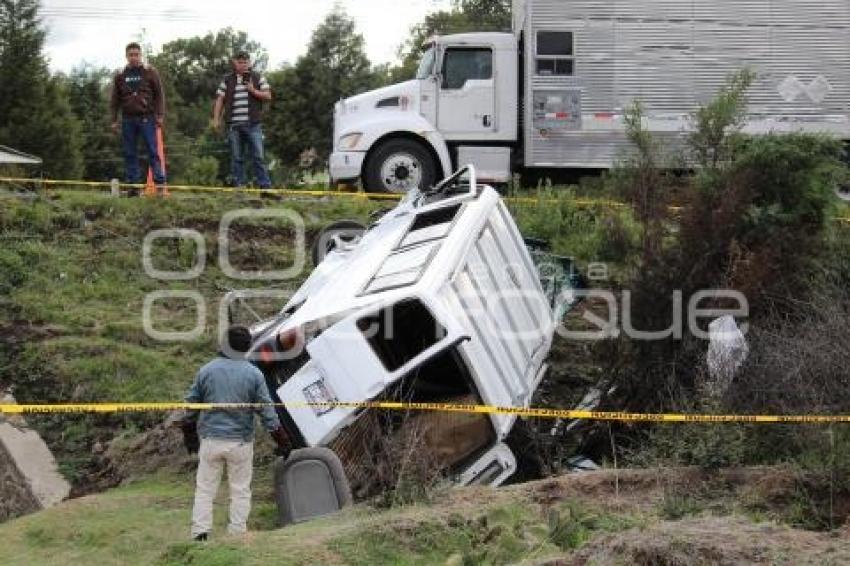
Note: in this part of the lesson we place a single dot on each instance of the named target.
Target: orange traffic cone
(150, 186)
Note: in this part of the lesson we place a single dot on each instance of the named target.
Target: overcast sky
(96, 31)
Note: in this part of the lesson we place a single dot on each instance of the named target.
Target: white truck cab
(552, 93)
(439, 301)
(399, 137)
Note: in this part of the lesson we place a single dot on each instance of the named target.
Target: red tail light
(291, 340)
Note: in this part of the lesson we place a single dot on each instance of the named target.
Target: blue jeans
(252, 135)
(131, 127)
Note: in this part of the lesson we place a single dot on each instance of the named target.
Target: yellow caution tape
(582, 202)
(538, 412)
(200, 188)
(295, 192)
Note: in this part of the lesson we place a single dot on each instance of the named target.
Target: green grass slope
(640, 517)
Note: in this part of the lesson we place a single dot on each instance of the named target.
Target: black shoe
(201, 537)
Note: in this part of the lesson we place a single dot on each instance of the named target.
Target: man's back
(231, 381)
(227, 435)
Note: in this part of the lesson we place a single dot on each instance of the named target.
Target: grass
(590, 233)
(130, 524)
(72, 289)
(675, 506)
(147, 523)
(73, 285)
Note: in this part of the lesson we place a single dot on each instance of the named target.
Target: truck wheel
(398, 166)
(342, 231)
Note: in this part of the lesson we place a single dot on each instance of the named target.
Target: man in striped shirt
(240, 98)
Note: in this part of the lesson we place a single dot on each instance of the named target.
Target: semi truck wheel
(398, 166)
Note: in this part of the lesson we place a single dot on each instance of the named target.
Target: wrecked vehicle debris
(440, 300)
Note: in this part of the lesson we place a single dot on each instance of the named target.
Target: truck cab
(460, 108)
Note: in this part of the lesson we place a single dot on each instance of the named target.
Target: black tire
(398, 166)
(324, 242)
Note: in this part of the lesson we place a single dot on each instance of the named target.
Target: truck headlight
(350, 141)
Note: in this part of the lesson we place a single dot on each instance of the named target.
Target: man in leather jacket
(137, 93)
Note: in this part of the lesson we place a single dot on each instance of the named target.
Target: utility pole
(142, 38)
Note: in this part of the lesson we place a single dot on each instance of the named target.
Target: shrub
(753, 218)
(201, 171)
(13, 271)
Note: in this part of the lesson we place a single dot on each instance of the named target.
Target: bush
(798, 359)
(821, 498)
(590, 233)
(13, 271)
(753, 218)
(201, 171)
(758, 225)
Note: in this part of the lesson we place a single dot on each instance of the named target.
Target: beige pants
(214, 454)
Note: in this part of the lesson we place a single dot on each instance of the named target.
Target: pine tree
(88, 94)
(35, 115)
(334, 67)
(464, 16)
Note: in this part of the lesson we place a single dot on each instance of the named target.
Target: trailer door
(467, 99)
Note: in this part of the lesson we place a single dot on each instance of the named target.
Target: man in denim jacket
(227, 436)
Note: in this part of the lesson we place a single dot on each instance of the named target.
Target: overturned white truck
(440, 300)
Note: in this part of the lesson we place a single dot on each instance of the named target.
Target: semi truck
(553, 92)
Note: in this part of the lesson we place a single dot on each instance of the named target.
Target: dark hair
(132, 45)
(242, 55)
(239, 338)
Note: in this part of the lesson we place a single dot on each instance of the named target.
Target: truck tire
(326, 240)
(398, 166)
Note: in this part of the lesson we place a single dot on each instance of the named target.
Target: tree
(88, 94)
(334, 67)
(36, 115)
(192, 69)
(464, 16)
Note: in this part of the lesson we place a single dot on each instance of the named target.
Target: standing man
(137, 92)
(227, 436)
(240, 96)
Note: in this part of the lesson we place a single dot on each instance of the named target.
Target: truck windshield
(426, 66)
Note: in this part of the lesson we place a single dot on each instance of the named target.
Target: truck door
(429, 85)
(467, 99)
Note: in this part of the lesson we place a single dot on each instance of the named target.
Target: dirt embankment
(731, 517)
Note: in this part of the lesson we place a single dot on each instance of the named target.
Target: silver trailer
(586, 61)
